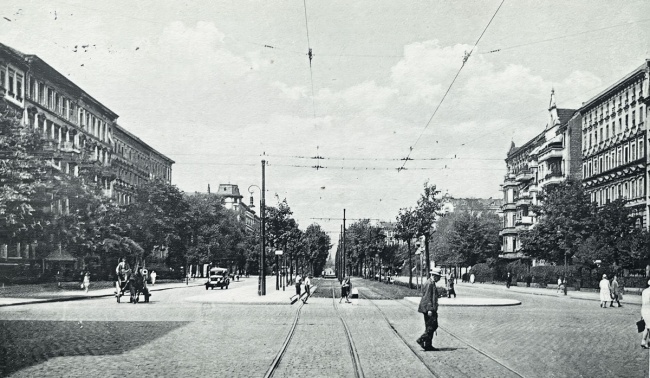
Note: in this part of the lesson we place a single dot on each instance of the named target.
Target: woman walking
(86, 281)
(345, 289)
(645, 314)
(605, 293)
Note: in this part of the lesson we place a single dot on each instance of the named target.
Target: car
(218, 278)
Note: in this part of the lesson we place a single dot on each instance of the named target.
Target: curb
(556, 296)
(77, 298)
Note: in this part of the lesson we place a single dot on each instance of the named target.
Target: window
(32, 89)
(66, 113)
(12, 75)
(50, 98)
(626, 120)
(72, 112)
(625, 155)
(3, 77)
(57, 103)
(41, 93)
(19, 86)
(607, 132)
(633, 150)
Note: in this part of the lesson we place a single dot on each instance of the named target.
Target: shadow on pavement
(27, 343)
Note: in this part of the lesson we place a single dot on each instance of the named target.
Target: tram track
(447, 331)
(354, 355)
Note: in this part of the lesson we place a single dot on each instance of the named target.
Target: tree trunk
(426, 255)
(408, 243)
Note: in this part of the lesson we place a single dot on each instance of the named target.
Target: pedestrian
(345, 289)
(297, 283)
(605, 293)
(120, 273)
(615, 292)
(645, 314)
(451, 286)
(508, 280)
(429, 307)
(559, 285)
(153, 277)
(307, 288)
(86, 283)
(472, 278)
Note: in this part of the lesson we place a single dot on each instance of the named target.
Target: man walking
(307, 288)
(429, 307)
(508, 280)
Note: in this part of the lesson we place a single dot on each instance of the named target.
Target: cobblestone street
(189, 332)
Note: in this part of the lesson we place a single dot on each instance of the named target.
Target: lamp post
(563, 246)
(262, 276)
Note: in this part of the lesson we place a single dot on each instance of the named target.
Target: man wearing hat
(429, 307)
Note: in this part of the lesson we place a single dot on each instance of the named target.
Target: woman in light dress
(645, 314)
(605, 293)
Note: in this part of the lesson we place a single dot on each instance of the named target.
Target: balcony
(69, 147)
(524, 200)
(552, 178)
(508, 231)
(513, 255)
(524, 175)
(509, 206)
(551, 152)
(510, 181)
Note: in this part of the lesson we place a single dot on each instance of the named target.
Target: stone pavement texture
(545, 336)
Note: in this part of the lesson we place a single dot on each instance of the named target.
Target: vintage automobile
(218, 278)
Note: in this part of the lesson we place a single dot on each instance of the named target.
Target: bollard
(354, 296)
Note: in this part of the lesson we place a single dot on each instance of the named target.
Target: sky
(220, 86)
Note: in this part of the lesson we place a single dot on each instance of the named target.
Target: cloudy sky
(216, 85)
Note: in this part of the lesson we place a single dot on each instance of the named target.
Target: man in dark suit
(429, 307)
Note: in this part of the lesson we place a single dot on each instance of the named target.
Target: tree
(318, 246)
(406, 230)
(158, 218)
(426, 213)
(566, 219)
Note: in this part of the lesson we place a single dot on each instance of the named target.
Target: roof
(41, 69)
(565, 115)
(645, 67)
(148, 147)
(228, 190)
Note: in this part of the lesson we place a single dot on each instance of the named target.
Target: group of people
(299, 281)
(135, 282)
(610, 292)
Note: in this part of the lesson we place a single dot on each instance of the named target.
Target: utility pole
(344, 265)
(263, 254)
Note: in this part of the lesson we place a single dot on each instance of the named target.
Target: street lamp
(262, 276)
(563, 246)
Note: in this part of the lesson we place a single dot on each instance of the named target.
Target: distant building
(135, 163)
(547, 159)
(232, 200)
(474, 205)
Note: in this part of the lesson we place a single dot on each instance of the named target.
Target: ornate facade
(615, 143)
(549, 158)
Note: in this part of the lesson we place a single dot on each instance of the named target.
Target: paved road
(176, 336)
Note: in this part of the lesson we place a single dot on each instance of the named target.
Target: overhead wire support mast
(465, 59)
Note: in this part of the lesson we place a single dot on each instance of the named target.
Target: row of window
(142, 160)
(12, 80)
(616, 102)
(631, 189)
(67, 109)
(613, 158)
(613, 128)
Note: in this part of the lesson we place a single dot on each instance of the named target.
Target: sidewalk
(583, 295)
(27, 294)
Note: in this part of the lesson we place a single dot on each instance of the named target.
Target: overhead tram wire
(309, 53)
(465, 59)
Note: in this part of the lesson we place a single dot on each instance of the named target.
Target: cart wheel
(206, 287)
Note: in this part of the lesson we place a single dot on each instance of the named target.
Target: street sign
(278, 252)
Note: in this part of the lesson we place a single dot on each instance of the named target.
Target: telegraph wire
(564, 36)
(465, 59)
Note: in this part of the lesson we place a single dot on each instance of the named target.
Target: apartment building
(615, 143)
(79, 135)
(549, 158)
(135, 163)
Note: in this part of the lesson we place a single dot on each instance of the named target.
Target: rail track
(356, 364)
(470, 345)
